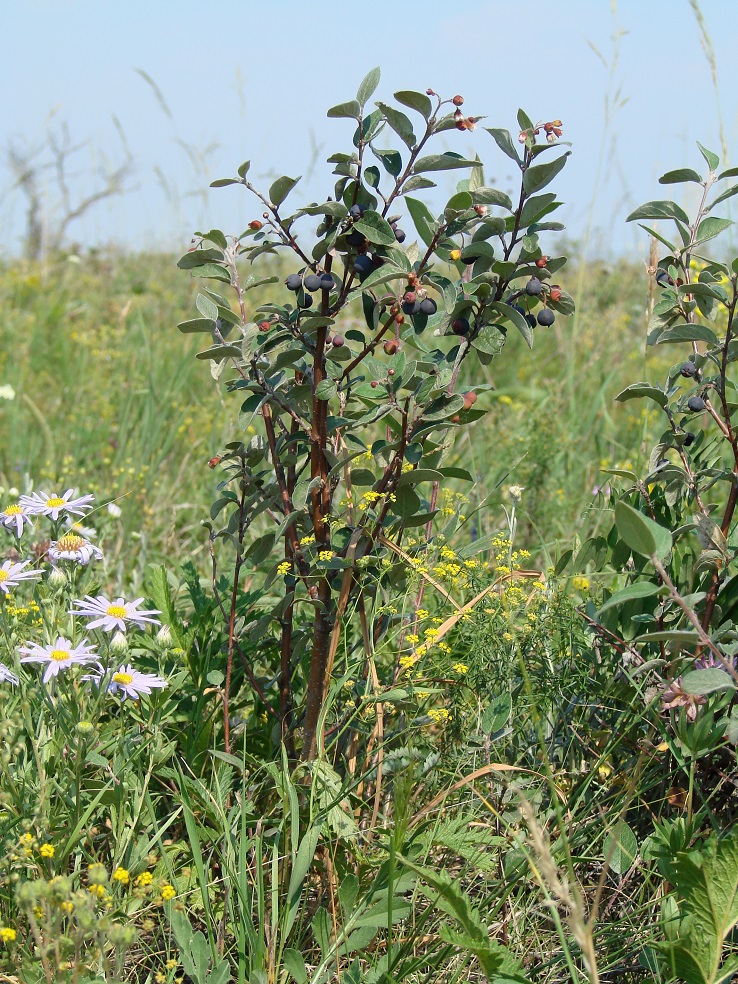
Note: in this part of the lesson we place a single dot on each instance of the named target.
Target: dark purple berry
(460, 326)
(355, 238)
(688, 369)
(534, 287)
(312, 282)
(363, 264)
(546, 317)
(428, 306)
(294, 281)
(663, 279)
(356, 211)
(304, 300)
(400, 235)
(531, 319)
(689, 438)
(696, 404)
(326, 282)
(411, 307)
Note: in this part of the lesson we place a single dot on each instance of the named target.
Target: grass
(511, 760)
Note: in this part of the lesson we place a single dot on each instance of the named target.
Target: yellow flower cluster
(580, 583)
(439, 715)
(325, 555)
(284, 568)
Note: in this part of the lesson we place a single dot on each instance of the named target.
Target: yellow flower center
(124, 678)
(59, 655)
(70, 542)
(55, 502)
(3, 576)
(116, 611)
(13, 510)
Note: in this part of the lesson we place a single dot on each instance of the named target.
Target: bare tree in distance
(45, 174)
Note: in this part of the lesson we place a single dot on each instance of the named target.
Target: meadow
(512, 777)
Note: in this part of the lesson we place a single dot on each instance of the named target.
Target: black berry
(411, 307)
(428, 307)
(546, 317)
(356, 211)
(294, 281)
(534, 287)
(460, 326)
(304, 300)
(696, 404)
(356, 238)
(688, 369)
(326, 282)
(531, 319)
(400, 235)
(363, 264)
(663, 279)
(689, 438)
(313, 282)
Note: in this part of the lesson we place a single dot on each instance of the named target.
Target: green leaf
(199, 257)
(295, 965)
(657, 235)
(399, 123)
(728, 193)
(423, 219)
(710, 681)
(688, 333)
(280, 189)
(368, 86)
(641, 533)
(224, 182)
(441, 162)
(491, 196)
(641, 589)
(376, 229)
(490, 340)
(681, 174)
(513, 315)
(711, 227)
(639, 391)
(540, 175)
(504, 141)
(417, 475)
(707, 884)
(659, 210)
(347, 110)
(415, 100)
(196, 324)
(497, 714)
(713, 161)
(621, 848)
(244, 169)
(326, 389)
(417, 183)
(390, 159)
(206, 307)
(443, 407)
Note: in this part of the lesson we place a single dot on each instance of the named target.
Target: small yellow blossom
(439, 715)
(121, 875)
(580, 583)
(46, 851)
(144, 879)
(325, 555)
(7, 934)
(460, 668)
(307, 539)
(284, 568)
(422, 613)
(67, 908)
(411, 638)
(168, 892)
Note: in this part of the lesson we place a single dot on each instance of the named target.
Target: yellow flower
(439, 715)
(97, 890)
(460, 668)
(144, 879)
(284, 568)
(67, 908)
(7, 935)
(168, 892)
(46, 851)
(411, 638)
(121, 875)
(171, 964)
(422, 613)
(325, 555)
(307, 539)
(580, 583)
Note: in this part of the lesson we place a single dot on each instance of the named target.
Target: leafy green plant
(356, 397)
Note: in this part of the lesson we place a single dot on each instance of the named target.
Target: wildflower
(284, 568)
(7, 934)
(59, 655)
(307, 539)
(7, 392)
(15, 516)
(675, 696)
(46, 850)
(67, 908)
(144, 879)
(516, 492)
(411, 638)
(168, 892)
(7, 676)
(406, 662)
(121, 875)
(164, 637)
(439, 715)
(73, 547)
(325, 555)
(460, 668)
(114, 510)
(128, 682)
(112, 615)
(41, 504)
(12, 574)
(580, 583)
(422, 613)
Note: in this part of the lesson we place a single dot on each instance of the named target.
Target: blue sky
(252, 80)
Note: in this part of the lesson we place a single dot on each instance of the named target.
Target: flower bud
(119, 644)
(164, 637)
(57, 580)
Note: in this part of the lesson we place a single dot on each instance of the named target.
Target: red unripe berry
(374, 384)
(542, 262)
(469, 400)
(399, 319)
(390, 372)
(458, 100)
(391, 346)
(214, 461)
(265, 215)
(555, 293)
(264, 326)
(456, 419)
(338, 341)
(410, 297)
(255, 225)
